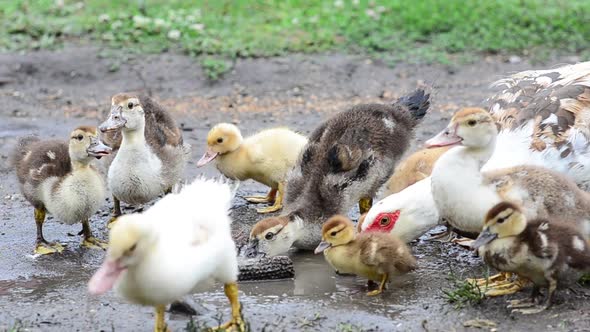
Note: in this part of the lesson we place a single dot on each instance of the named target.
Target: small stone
(174, 34)
(514, 59)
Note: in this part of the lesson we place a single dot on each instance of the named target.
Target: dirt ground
(50, 92)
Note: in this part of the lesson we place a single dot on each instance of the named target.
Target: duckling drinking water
(58, 177)
(376, 256)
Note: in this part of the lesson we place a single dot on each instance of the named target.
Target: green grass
(463, 292)
(399, 29)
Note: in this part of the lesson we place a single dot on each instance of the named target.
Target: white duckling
(166, 252)
(58, 177)
(541, 119)
(265, 157)
(151, 156)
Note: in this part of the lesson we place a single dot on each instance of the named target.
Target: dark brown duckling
(541, 250)
(347, 159)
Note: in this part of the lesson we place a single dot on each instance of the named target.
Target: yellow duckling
(265, 157)
(374, 255)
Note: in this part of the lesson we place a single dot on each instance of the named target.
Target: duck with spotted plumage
(150, 154)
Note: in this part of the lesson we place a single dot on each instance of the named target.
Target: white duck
(164, 253)
(542, 116)
(150, 152)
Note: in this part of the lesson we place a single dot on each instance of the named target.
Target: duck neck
(78, 165)
(481, 154)
(133, 136)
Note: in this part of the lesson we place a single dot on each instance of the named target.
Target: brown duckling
(540, 250)
(347, 160)
(59, 177)
(376, 256)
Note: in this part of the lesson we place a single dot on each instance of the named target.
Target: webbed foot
(94, 243)
(46, 248)
(273, 208)
(500, 284)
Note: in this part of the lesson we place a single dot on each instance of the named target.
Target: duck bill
(98, 149)
(321, 247)
(114, 122)
(105, 278)
(251, 250)
(207, 157)
(484, 238)
(447, 137)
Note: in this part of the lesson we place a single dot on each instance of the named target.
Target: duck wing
(548, 112)
(37, 160)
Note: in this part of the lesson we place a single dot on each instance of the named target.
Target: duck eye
(269, 236)
(80, 137)
(501, 220)
(333, 233)
(220, 140)
(471, 123)
(132, 248)
(384, 221)
(130, 105)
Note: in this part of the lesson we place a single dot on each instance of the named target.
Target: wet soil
(50, 92)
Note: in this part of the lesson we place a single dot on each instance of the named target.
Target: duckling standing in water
(540, 250)
(151, 154)
(58, 177)
(175, 247)
(265, 157)
(376, 256)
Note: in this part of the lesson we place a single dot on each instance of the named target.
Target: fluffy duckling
(540, 250)
(416, 167)
(58, 177)
(265, 157)
(376, 256)
(150, 153)
(166, 252)
(348, 158)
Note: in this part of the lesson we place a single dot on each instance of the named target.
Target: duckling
(178, 245)
(348, 158)
(150, 153)
(58, 177)
(376, 256)
(416, 167)
(265, 157)
(541, 250)
(541, 192)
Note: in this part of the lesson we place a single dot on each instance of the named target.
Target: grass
(243, 28)
(214, 68)
(463, 292)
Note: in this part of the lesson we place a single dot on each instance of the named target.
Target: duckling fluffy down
(184, 242)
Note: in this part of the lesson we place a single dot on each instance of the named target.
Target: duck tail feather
(417, 103)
